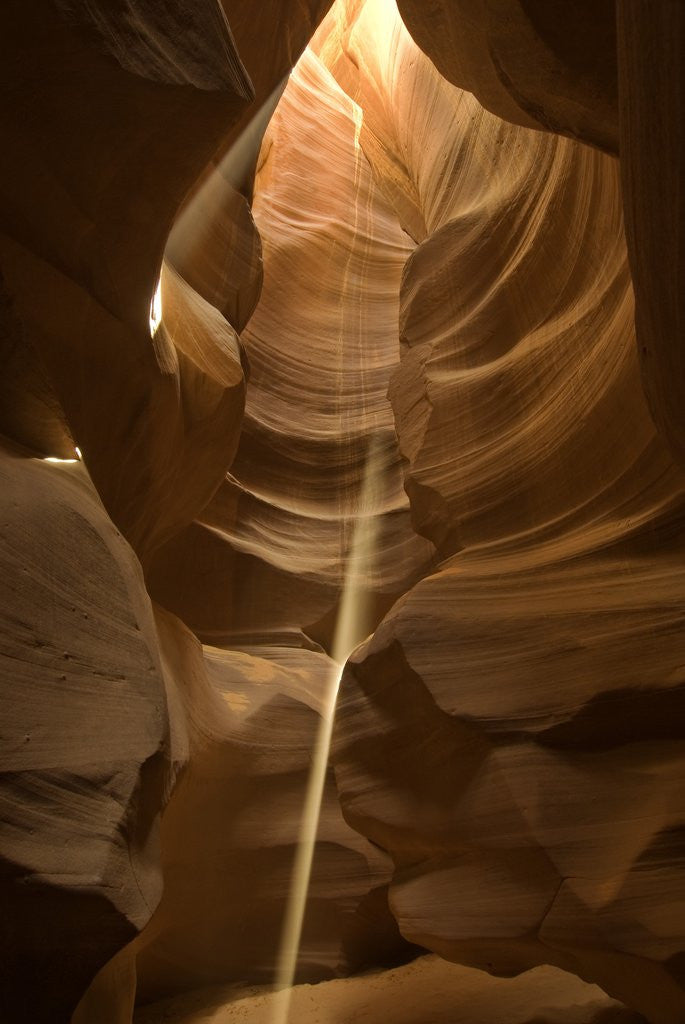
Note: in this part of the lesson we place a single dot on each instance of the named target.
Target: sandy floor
(428, 991)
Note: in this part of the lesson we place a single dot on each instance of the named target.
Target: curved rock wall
(271, 547)
(86, 752)
(232, 826)
(547, 694)
(537, 63)
(398, 272)
(92, 173)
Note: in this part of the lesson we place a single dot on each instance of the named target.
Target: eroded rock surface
(87, 198)
(233, 824)
(532, 62)
(271, 547)
(398, 278)
(650, 50)
(86, 755)
(543, 822)
(534, 466)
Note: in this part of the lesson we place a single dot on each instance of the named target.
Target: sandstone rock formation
(94, 103)
(537, 63)
(221, 319)
(86, 753)
(650, 46)
(229, 834)
(561, 527)
(321, 345)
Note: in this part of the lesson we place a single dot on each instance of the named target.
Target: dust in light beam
(352, 626)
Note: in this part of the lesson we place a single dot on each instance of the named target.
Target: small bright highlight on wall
(53, 458)
(156, 310)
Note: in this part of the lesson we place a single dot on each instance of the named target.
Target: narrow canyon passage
(386, 437)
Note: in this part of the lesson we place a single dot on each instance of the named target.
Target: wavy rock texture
(410, 283)
(536, 63)
(215, 247)
(271, 547)
(246, 722)
(516, 316)
(270, 37)
(543, 825)
(86, 750)
(550, 641)
(232, 826)
(87, 197)
(610, 75)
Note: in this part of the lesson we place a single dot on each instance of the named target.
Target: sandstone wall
(422, 256)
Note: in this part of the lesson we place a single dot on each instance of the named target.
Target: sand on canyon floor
(427, 991)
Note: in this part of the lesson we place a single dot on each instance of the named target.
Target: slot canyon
(342, 512)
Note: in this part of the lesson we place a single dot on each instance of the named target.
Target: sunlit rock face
(538, 63)
(266, 560)
(92, 174)
(271, 547)
(539, 672)
(230, 832)
(608, 74)
(517, 402)
(393, 270)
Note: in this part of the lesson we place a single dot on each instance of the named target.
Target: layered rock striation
(214, 331)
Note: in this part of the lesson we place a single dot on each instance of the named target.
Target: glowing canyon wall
(459, 250)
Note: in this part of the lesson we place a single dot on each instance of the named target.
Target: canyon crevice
(272, 279)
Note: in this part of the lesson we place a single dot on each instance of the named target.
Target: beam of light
(236, 167)
(156, 309)
(352, 626)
